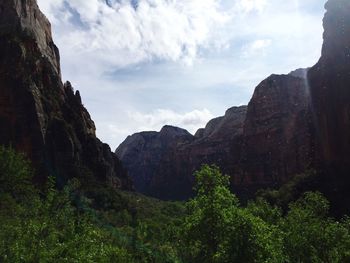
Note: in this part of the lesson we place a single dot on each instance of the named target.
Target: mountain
(149, 150)
(293, 123)
(41, 116)
(329, 83)
(260, 145)
(162, 163)
(277, 141)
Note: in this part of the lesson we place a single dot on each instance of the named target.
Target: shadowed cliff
(41, 116)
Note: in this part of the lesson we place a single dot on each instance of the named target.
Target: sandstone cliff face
(259, 145)
(329, 82)
(174, 178)
(277, 138)
(145, 153)
(19, 17)
(162, 163)
(293, 122)
(38, 114)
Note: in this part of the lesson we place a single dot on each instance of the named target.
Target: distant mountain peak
(173, 131)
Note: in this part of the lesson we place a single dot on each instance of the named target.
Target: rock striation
(41, 116)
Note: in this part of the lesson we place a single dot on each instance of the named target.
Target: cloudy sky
(141, 64)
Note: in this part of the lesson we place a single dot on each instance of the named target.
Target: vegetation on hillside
(83, 223)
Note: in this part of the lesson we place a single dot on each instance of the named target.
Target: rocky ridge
(259, 145)
(41, 116)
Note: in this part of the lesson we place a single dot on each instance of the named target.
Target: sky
(143, 64)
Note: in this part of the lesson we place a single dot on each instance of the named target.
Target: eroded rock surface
(40, 115)
(329, 82)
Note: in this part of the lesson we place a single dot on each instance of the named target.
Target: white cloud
(252, 5)
(154, 121)
(99, 45)
(122, 33)
(191, 121)
(257, 47)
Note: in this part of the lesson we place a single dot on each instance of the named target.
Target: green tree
(218, 230)
(15, 175)
(210, 213)
(47, 228)
(311, 235)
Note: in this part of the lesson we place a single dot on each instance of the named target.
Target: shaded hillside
(38, 114)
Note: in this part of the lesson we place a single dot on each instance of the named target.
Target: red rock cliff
(38, 114)
(329, 83)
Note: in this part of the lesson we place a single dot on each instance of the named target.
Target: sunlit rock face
(329, 82)
(41, 116)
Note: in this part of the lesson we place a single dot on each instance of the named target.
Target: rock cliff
(329, 83)
(277, 138)
(41, 116)
(146, 153)
(293, 122)
(260, 145)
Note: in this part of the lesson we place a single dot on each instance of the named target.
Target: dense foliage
(93, 223)
(217, 229)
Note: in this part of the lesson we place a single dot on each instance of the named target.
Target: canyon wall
(41, 116)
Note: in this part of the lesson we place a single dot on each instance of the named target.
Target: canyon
(293, 123)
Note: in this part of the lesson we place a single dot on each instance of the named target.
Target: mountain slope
(41, 116)
(259, 145)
